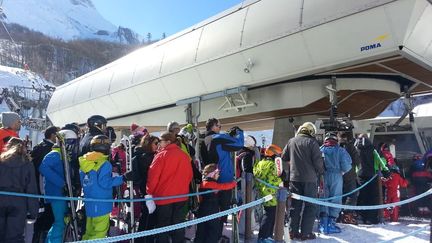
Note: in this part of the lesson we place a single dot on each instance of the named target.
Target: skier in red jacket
(392, 185)
(170, 174)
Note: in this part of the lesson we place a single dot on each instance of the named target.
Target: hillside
(56, 60)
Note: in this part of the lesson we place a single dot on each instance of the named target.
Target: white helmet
(249, 141)
(68, 134)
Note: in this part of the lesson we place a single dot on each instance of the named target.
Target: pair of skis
(128, 148)
(72, 232)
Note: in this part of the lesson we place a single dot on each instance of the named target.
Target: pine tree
(149, 37)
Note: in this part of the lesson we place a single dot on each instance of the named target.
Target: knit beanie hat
(9, 118)
(133, 126)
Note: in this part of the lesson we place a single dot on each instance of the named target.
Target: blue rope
(351, 192)
(182, 225)
(370, 207)
(266, 183)
(103, 200)
(407, 235)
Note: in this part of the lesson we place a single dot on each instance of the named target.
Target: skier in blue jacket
(217, 148)
(53, 170)
(97, 182)
(337, 161)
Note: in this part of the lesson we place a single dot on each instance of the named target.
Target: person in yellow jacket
(98, 182)
(266, 171)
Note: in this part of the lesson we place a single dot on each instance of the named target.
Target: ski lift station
(263, 62)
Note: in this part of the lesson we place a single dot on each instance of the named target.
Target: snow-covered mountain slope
(65, 19)
(10, 76)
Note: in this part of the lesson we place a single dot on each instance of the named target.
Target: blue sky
(158, 16)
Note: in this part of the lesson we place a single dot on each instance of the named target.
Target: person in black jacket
(350, 178)
(144, 154)
(303, 155)
(46, 218)
(16, 175)
(369, 195)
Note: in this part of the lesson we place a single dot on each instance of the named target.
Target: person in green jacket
(266, 171)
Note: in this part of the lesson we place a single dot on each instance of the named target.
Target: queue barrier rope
(350, 207)
(17, 194)
(182, 225)
(368, 207)
(329, 198)
(351, 192)
(65, 198)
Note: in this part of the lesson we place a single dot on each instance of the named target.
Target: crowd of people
(165, 166)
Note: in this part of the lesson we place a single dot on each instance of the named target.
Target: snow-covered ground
(361, 233)
(380, 232)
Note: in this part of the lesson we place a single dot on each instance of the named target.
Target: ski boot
(323, 225)
(332, 228)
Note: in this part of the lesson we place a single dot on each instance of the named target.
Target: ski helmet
(249, 141)
(70, 139)
(68, 134)
(100, 143)
(273, 150)
(96, 121)
(331, 136)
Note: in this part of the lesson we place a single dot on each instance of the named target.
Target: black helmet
(100, 143)
(96, 121)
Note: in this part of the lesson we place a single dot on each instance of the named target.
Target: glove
(151, 206)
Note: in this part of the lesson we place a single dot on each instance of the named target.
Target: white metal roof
(282, 39)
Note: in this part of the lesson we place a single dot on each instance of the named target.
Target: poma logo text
(370, 47)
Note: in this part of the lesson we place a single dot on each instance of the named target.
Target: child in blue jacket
(52, 169)
(97, 182)
(337, 162)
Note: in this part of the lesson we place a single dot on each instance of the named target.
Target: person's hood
(302, 134)
(48, 141)
(330, 143)
(92, 161)
(364, 143)
(15, 161)
(208, 133)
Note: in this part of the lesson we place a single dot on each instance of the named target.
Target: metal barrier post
(282, 195)
(248, 198)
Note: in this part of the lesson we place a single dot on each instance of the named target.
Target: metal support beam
(215, 95)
